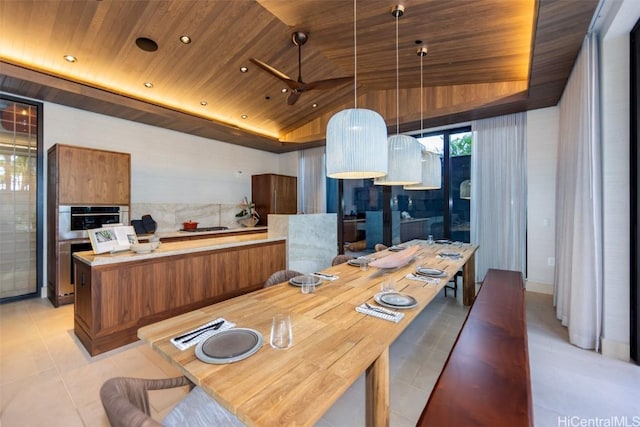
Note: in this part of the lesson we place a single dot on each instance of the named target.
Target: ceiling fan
(298, 86)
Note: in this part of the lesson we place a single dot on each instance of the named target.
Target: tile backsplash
(170, 216)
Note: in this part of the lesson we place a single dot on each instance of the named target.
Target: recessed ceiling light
(148, 85)
(70, 58)
(314, 105)
(204, 103)
(244, 116)
(243, 69)
(185, 39)
(284, 90)
(146, 44)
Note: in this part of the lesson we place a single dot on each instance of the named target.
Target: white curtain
(498, 193)
(578, 276)
(312, 188)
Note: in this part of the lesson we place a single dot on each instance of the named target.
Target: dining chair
(453, 284)
(380, 247)
(126, 403)
(340, 259)
(281, 276)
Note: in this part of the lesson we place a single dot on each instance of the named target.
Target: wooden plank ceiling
(485, 58)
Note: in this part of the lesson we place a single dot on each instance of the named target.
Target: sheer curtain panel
(578, 276)
(498, 193)
(312, 181)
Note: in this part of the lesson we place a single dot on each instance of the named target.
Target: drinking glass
(281, 333)
(308, 285)
(364, 264)
(388, 285)
(430, 239)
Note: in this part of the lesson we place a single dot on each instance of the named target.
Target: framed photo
(112, 238)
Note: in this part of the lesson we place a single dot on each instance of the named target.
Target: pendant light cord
(421, 97)
(355, 58)
(397, 80)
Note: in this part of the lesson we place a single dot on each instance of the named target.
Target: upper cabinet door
(92, 177)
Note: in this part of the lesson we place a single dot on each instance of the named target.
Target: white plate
(301, 280)
(398, 248)
(395, 300)
(229, 346)
(431, 272)
(443, 241)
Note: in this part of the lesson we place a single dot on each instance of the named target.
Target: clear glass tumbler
(281, 332)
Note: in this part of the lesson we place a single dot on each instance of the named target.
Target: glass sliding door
(20, 199)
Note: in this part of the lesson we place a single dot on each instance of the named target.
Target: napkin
(187, 342)
(390, 315)
(325, 276)
(432, 280)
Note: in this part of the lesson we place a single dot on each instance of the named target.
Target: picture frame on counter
(112, 238)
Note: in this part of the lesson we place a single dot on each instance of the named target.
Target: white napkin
(393, 316)
(432, 280)
(182, 345)
(325, 276)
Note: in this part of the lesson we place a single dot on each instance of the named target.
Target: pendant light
(431, 165)
(404, 151)
(356, 145)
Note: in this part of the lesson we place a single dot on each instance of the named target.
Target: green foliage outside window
(460, 146)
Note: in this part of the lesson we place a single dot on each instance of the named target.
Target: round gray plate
(431, 272)
(297, 281)
(395, 300)
(229, 346)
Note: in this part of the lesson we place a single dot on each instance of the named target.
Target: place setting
(306, 282)
(452, 255)
(427, 274)
(389, 302)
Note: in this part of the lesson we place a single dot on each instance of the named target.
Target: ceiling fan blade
(280, 75)
(293, 97)
(328, 83)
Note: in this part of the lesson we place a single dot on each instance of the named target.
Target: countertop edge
(166, 250)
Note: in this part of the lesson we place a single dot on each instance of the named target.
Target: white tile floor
(47, 378)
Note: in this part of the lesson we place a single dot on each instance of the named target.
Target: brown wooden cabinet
(86, 176)
(274, 194)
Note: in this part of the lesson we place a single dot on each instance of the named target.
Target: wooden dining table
(333, 344)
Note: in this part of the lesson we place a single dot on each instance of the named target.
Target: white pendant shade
(465, 189)
(356, 145)
(431, 173)
(404, 161)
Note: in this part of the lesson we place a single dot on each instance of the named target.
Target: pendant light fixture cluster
(356, 146)
(404, 151)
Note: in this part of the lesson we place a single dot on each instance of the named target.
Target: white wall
(614, 61)
(542, 151)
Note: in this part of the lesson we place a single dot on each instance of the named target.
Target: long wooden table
(333, 344)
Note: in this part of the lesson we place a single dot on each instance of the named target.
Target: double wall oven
(73, 223)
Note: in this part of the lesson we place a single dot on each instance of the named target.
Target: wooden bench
(485, 381)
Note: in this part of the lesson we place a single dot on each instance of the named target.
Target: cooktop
(206, 229)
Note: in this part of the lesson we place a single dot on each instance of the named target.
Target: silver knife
(203, 329)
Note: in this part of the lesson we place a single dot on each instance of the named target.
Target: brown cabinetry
(87, 176)
(274, 194)
(82, 177)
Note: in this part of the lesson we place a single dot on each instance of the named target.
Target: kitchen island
(116, 294)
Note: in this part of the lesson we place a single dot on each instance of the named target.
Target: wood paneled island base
(114, 299)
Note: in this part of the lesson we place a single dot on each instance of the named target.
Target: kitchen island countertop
(175, 248)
